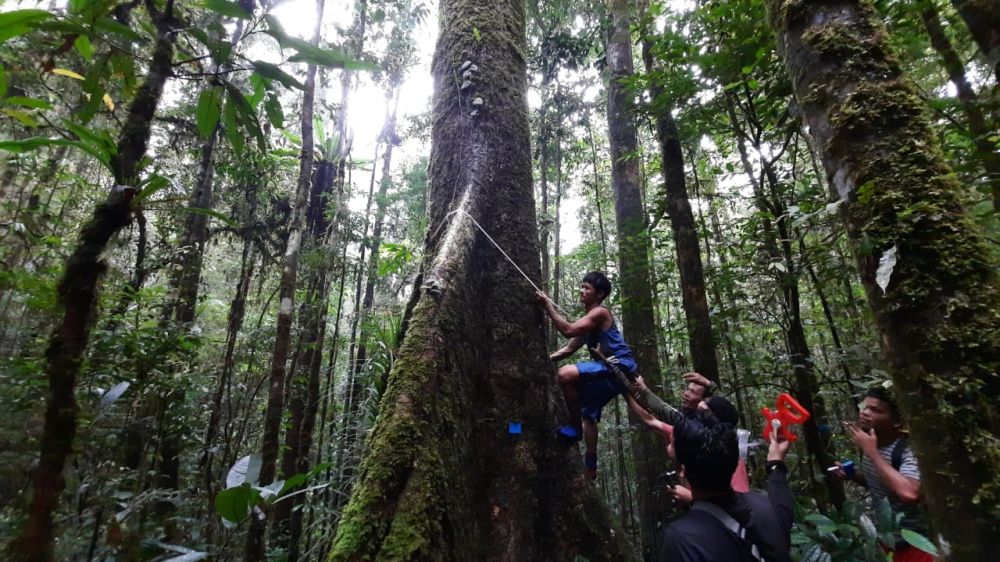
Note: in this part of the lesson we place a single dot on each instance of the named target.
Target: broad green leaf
(18, 22)
(226, 8)
(228, 222)
(22, 117)
(84, 47)
(260, 86)
(818, 519)
(232, 129)
(234, 503)
(245, 113)
(28, 102)
(273, 72)
(33, 143)
(305, 52)
(208, 111)
(3, 81)
(274, 112)
(294, 482)
(68, 73)
(112, 26)
(220, 49)
(150, 187)
(917, 540)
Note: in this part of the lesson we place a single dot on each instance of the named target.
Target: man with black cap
(724, 524)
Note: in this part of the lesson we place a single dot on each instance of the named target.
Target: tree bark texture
(701, 341)
(78, 293)
(283, 329)
(635, 292)
(303, 388)
(939, 316)
(445, 479)
(983, 20)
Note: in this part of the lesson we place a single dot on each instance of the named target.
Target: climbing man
(588, 385)
(888, 468)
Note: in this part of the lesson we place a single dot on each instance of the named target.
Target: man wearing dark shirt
(724, 525)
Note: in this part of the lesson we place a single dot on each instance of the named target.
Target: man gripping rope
(588, 385)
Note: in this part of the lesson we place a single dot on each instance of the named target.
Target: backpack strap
(897, 452)
(731, 524)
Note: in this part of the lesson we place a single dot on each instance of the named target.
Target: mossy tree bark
(635, 292)
(78, 294)
(444, 479)
(939, 316)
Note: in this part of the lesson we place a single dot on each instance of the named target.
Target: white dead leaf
(885, 265)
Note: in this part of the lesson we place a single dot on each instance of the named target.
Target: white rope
(494, 242)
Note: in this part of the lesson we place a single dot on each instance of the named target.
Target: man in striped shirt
(889, 468)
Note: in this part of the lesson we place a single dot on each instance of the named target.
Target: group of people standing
(727, 521)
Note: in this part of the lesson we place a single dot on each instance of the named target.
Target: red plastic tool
(787, 412)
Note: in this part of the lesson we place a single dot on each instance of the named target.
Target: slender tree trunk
(937, 317)
(692, 277)
(986, 149)
(444, 480)
(303, 387)
(983, 20)
(237, 312)
(777, 243)
(289, 274)
(78, 293)
(633, 259)
(556, 265)
(597, 193)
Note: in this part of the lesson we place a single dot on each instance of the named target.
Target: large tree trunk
(283, 328)
(692, 277)
(938, 317)
(635, 292)
(444, 480)
(78, 295)
(983, 19)
(980, 131)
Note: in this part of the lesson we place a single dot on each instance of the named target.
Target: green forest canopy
(218, 220)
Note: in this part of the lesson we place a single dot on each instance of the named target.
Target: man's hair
(599, 281)
(723, 409)
(881, 393)
(707, 448)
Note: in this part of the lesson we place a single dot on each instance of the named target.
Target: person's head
(879, 412)
(693, 395)
(707, 451)
(594, 288)
(723, 409)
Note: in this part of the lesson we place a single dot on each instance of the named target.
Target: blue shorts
(598, 387)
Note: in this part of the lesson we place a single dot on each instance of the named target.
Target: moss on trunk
(443, 479)
(939, 318)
